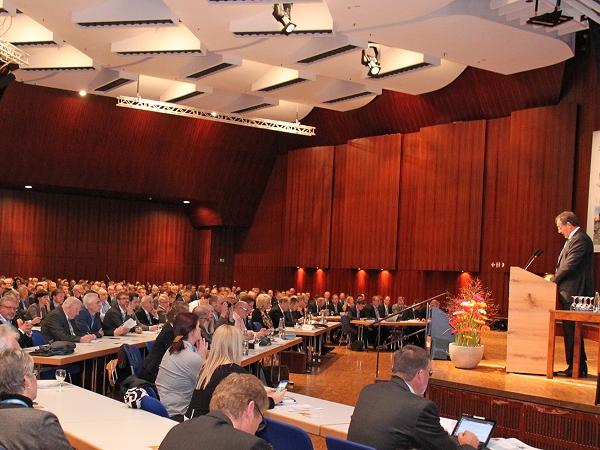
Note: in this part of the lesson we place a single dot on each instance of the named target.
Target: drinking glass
(60, 375)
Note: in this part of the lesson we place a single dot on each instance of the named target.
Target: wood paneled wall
(449, 197)
(428, 206)
(308, 207)
(365, 203)
(81, 237)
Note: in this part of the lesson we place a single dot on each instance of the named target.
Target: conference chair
(154, 406)
(441, 334)
(38, 338)
(334, 443)
(134, 358)
(149, 347)
(285, 437)
(347, 329)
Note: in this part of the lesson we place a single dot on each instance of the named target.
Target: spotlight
(186, 202)
(283, 14)
(28, 187)
(82, 92)
(370, 59)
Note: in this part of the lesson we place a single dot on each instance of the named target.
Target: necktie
(70, 328)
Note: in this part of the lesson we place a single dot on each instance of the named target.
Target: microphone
(536, 253)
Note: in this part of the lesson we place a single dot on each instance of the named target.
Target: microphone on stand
(535, 254)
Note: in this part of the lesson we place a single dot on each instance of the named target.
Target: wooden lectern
(530, 298)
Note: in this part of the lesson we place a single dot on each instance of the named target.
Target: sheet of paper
(130, 324)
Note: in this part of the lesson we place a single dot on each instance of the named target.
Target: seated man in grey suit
(404, 419)
(235, 415)
(22, 426)
(117, 316)
(60, 324)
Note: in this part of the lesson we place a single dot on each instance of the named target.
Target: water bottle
(245, 348)
(281, 328)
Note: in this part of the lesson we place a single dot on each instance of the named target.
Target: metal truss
(9, 54)
(237, 119)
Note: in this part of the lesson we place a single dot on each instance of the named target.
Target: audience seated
(88, 319)
(282, 311)
(117, 316)
(223, 359)
(260, 315)
(161, 345)
(104, 302)
(180, 365)
(60, 324)
(24, 427)
(8, 311)
(236, 412)
(334, 306)
(205, 317)
(40, 309)
(416, 423)
(147, 315)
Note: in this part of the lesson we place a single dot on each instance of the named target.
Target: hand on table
(468, 438)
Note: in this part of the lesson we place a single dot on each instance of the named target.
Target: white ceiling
(443, 36)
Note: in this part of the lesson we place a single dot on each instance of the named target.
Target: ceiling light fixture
(196, 113)
(283, 14)
(28, 186)
(549, 19)
(82, 92)
(370, 59)
(186, 202)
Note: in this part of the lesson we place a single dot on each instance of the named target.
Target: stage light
(214, 114)
(549, 19)
(28, 187)
(370, 59)
(283, 14)
(186, 202)
(82, 92)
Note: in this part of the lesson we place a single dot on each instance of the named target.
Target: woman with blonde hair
(224, 358)
(260, 315)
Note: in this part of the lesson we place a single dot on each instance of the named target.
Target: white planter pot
(465, 357)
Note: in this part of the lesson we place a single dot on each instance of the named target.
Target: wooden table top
(315, 332)
(259, 353)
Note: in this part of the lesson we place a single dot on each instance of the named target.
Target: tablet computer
(480, 426)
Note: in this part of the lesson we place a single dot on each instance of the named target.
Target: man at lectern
(574, 276)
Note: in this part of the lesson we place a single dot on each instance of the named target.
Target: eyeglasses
(262, 425)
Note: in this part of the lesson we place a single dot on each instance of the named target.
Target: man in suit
(147, 315)
(104, 302)
(23, 300)
(88, 319)
(236, 412)
(60, 324)
(118, 315)
(574, 276)
(386, 308)
(317, 306)
(416, 424)
(282, 311)
(334, 306)
(24, 427)
(8, 316)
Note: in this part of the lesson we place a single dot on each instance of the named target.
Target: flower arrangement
(470, 312)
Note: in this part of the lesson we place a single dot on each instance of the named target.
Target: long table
(361, 323)
(92, 421)
(313, 338)
(579, 317)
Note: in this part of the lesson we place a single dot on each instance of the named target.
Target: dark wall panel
(365, 203)
(81, 237)
(450, 197)
(308, 207)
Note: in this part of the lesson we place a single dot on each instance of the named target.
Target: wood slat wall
(365, 203)
(80, 237)
(308, 207)
(450, 197)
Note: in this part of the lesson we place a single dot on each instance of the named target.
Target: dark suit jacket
(332, 309)
(56, 328)
(313, 308)
(143, 319)
(575, 270)
(24, 340)
(152, 361)
(24, 428)
(212, 431)
(88, 324)
(276, 314)
(113, 320)
(199, 404)
(403, 419)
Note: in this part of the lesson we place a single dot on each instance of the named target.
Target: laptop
(480, 426)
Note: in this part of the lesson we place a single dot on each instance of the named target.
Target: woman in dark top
(260, 314)
(162, 343)
(224, 358)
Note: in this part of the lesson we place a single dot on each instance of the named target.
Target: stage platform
(555, 414)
